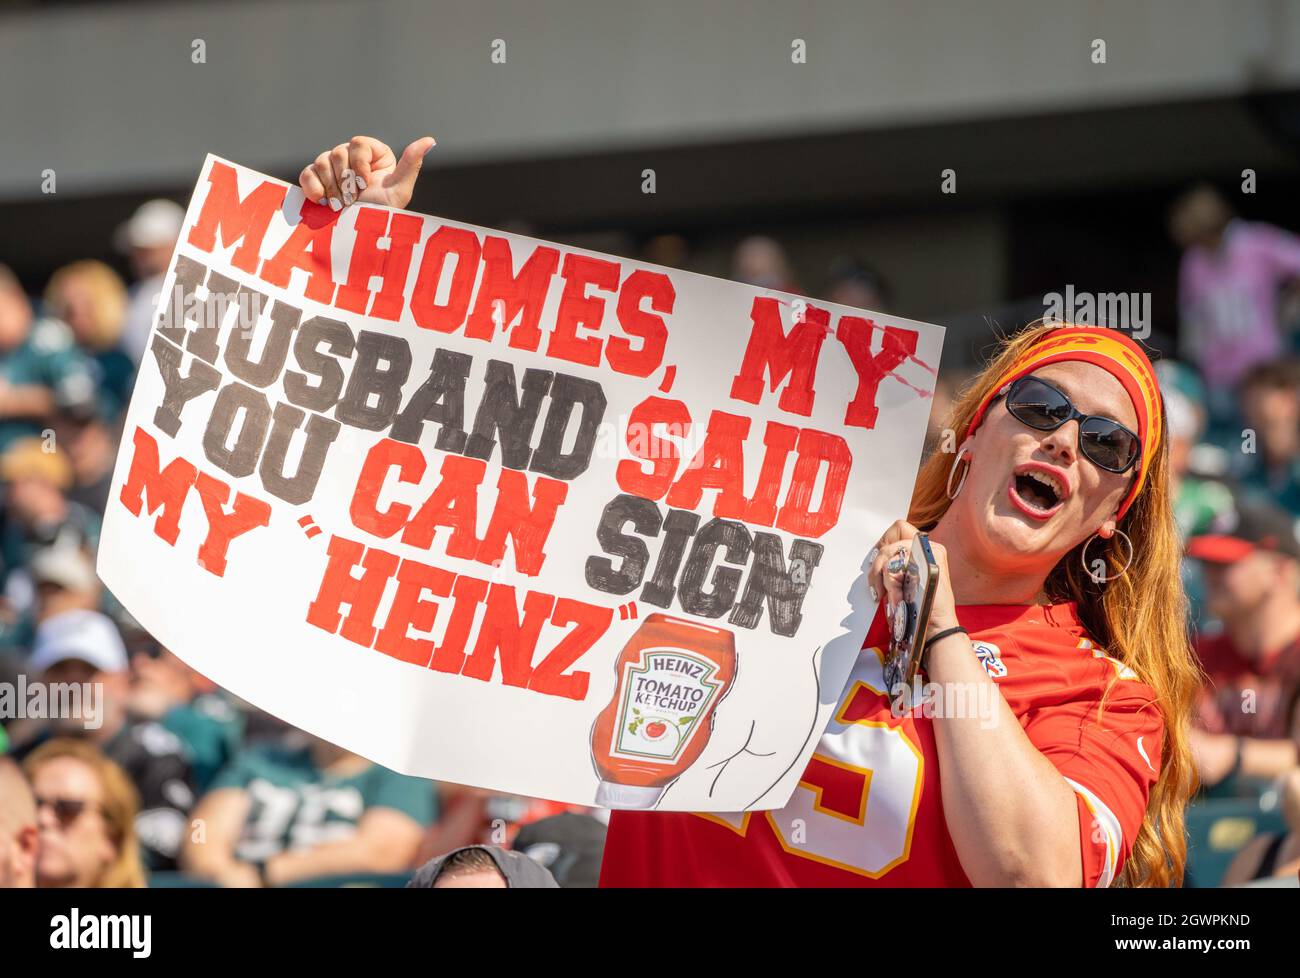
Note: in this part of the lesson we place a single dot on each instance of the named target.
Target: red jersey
(1244, 697)
(868, 810)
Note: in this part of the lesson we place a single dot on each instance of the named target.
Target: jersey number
(855, 806)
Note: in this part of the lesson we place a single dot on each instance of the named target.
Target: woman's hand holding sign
(364, 169)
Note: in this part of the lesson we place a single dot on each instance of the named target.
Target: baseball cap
(67, 567)
(86, 636)
(1249, 527)
(155, 223)
(1174, 375)
(519, 871)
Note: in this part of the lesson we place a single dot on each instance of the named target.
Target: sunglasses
(1104, 442)
(66, 810)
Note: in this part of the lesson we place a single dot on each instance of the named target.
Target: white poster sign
(497, 511)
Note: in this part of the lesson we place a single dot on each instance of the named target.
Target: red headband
(1115, 353)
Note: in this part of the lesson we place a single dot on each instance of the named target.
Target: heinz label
(664, 704)
(672, 673)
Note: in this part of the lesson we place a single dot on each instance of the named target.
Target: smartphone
(911, 618)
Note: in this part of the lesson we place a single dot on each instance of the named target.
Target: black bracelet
(925, 650)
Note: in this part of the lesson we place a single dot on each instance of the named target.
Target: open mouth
(1037, 492)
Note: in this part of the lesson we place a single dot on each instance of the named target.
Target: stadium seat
(182, 881)
(1217, 828)
(1273, 883)
(387, 881)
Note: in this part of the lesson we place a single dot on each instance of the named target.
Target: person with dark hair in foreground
(482, 867)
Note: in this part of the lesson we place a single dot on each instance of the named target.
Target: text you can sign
(492, 510)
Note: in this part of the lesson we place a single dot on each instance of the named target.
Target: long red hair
(1139, 617)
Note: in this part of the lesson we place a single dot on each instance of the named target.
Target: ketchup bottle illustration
(672, 674)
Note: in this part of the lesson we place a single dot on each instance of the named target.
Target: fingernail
(335, 205)
(874, 596)
(361, 183)
(323, 201)
(348, 199)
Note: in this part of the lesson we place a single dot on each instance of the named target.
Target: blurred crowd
(158, 777)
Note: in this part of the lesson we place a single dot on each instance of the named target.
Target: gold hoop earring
(1102, 578)
(952, 471)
